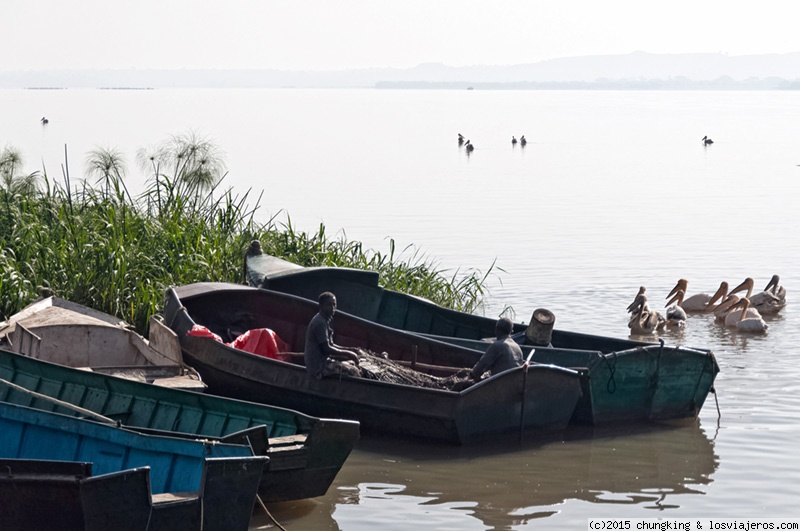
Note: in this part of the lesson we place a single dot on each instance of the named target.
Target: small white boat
(70, 334)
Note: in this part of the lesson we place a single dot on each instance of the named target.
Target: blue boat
(305, 452)
(41, 495)
(178, 469)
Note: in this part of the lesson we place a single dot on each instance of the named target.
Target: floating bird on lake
(746, 323)
(513, 141)
(700, 302)
(522, 141)
(723, 308)
(729, 311)
(644, 321)
(460, 139)
(707, 141)
(768, 302)
(469, 147)
(738, 311)
(44, 121)
(632, 306)
(676, 315)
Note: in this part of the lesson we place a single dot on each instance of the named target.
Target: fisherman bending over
(503, 354)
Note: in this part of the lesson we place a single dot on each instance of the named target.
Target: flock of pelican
(743, 313)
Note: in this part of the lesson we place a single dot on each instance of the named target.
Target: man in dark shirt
(322, 355)
(503, 354)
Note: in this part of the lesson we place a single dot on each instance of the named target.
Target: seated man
(322, 355)
(503, 354)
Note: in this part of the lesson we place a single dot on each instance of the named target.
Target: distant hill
(635, 70)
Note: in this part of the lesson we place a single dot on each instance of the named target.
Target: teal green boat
(305, 452)
(628, 380)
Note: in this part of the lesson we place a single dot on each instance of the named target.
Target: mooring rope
(264, 507)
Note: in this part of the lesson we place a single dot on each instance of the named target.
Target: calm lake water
(614, 190)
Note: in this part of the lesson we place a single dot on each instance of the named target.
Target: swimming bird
(707, 141)
(700, 302)
(632, 306)
(643, 321)
(722, 309)
(513, 141)
(460, 139)
(522, 141)
(774, 287)
(44, 121)
(469, 147)
(738, 312)
(749, 324)
(676, 315)
(767, 302)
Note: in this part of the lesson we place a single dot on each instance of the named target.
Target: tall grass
(96, 245)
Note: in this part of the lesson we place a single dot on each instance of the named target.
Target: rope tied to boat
(713, 389)
(264, 507)
(611, 384)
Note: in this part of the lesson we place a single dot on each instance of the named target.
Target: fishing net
(375, 366)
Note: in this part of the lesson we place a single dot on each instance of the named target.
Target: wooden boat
(67, 333)
(538, 399)
(305, 452)
(66, 495)
(174, 483)
(628, 380)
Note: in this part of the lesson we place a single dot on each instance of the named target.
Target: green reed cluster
(95, 244)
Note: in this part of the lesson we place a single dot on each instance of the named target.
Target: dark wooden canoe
(179, 472)
(305, 452)
(539, 399)
(628, 380)
(43, 495)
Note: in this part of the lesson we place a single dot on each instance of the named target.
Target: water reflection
(444, 487)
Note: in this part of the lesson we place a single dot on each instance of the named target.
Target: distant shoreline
(634, 71)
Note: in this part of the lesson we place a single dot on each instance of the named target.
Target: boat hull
(305, 452)
(520, 400)
(122, 500)
(202, 485)
(627, 380)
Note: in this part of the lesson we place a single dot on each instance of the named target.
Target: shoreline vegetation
(90, 241)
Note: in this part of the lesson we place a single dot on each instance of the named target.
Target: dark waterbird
(707, 141)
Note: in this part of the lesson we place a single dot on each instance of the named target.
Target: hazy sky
(342, 34)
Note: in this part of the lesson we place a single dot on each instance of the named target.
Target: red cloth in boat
(263, 342)
(259, 341)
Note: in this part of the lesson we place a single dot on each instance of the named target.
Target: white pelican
(632, 306)
(702, 302)
(776, 289)
(738, 311)
(767, 302)
(676, 315)
(749, 324)
(644, 322)
(722, 309)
